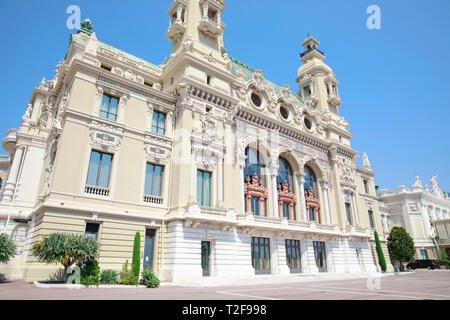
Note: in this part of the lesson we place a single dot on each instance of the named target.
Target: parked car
(422, 264)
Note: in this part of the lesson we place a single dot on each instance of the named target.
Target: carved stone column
(241, 177)
(220, 183)
(193, 190)
(149, 116)
(123, 107)
(301, 183)
(426, 217)
(356, 211)
(169, 126)
(179, 11)
(276, 213)
(324, 185)
(13, 174)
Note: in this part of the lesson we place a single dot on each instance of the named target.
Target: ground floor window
(293, 255)
(206, 261)
(320, 255)
(423, 255)
(91, 230)
(261, 255)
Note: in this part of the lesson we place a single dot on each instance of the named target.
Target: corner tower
(199, 20)
(316, 80)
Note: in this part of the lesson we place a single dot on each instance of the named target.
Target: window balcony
(176, 30)
(97, 191)
(334, 100)
(211, 28)
(9, 142)
(153, 199)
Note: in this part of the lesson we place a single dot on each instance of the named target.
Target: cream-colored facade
(421, 211)
(200, 116)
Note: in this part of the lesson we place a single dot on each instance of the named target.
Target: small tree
(381, 259)
(7, 248)
(66, 249)
(400, 245)
(136, 261)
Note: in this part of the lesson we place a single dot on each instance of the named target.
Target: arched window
(284, 173)
(253, 163)
(311, 195)
(310, 179)
(286, 195)
(254, 188)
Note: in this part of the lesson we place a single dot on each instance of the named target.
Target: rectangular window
(255, 205)
(311, 214)
(206, 257)
(107, 68)
(293, 255)
(159, 122)
(366, 186)
(285, 208)
(348, 212)
(261, 255)
(204, 188)
(153, 178)
(372, 225)
(320, 255)
(108, 109)
(423, 255)
(99, 169)
(91, 230)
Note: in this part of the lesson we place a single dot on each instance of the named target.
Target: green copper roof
(128, 56)
(248, 75)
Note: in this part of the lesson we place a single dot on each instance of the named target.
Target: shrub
(149, 279)
(89, 272)
(443, 262)
(136, 261)
(66, 249)
(127, 275)
(109, 276)
(7, 248)
(381, 259)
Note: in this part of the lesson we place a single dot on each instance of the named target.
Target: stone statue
(27, 115)
(418, 183)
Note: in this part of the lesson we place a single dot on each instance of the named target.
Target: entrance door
(206, 254)
(149, 248)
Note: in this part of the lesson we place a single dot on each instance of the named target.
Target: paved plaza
(418, 285)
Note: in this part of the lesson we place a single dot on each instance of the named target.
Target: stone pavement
(274, 279)
(417, 285)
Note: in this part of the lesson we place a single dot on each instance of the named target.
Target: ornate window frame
(124, 97)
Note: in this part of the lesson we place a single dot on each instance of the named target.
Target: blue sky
(394, 82)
